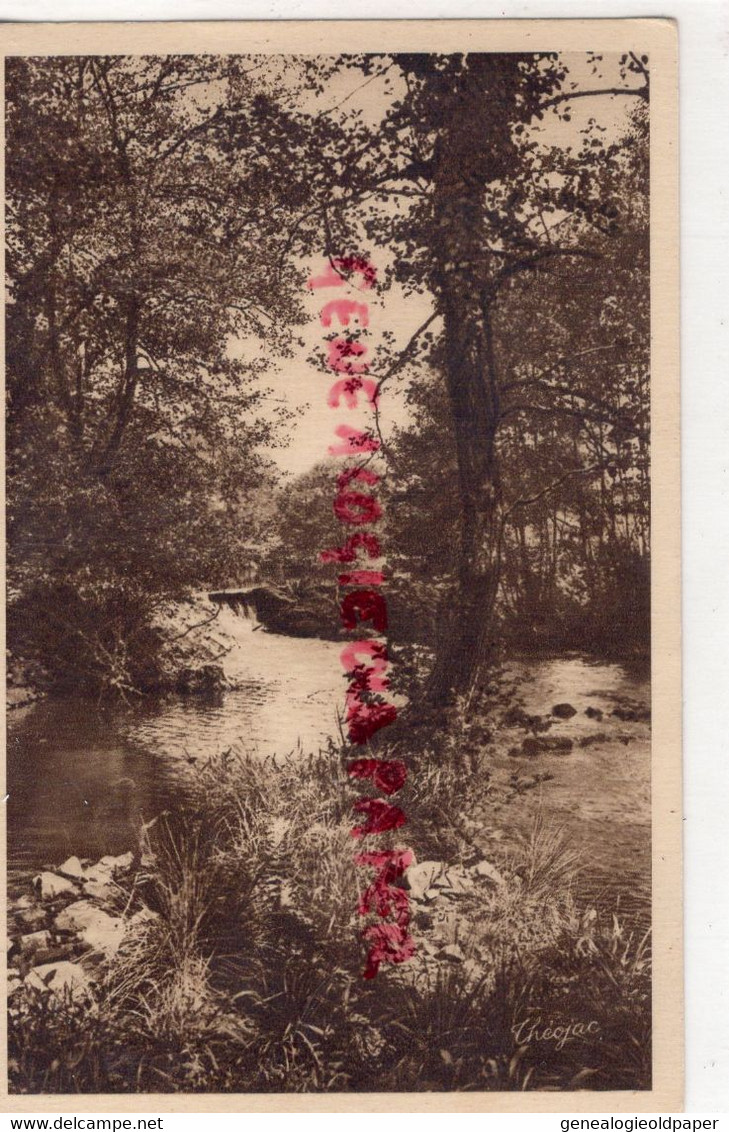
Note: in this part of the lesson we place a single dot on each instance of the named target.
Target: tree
(143, 241)
(485, 200)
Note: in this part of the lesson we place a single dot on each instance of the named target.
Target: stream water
(79, 774)
(600, 794)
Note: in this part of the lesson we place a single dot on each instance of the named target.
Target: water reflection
(75, 784)
(81, 779)
(600, 794)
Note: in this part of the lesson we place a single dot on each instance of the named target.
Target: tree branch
(586, 415)
(405, 352)
(550, 487)
(214, 117)
(357, 89)
(197, 625)
(532, 264)
(638, 92)
(544, 375)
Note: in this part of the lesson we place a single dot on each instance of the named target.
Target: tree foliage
(142, 243)
(160, 213)
(533, 251)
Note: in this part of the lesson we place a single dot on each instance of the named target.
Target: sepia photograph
(330, 614)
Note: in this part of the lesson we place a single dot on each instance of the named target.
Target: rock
(558, 744)
(54, 953)
(120, 864)
(486, 871)
(593, 713)
(76, 916)
(14, 984)
(62, 979)
(27, 944)
(423, 920)
(525, 782)
(32, 917)
(97, 929)
(48, 885)
(564, 711)
(98, 890)
(454, 880)
(205, 680)
(72, 868)
(590, 740)
(545, 744)
(632, 714)
(99, 878)
(143, 918)
(431, 894)
(461, 886)
(515, 717)
(419, 878)
(452, 952)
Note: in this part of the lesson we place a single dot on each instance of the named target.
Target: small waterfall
(264, 603)
(245, 607)
(247, 610)
(241, 602)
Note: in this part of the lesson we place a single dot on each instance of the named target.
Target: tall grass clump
(241, 967)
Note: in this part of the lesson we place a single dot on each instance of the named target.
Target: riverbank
(82, 774)
(210, 945)
(182, 651)
(225, 955)
(188, 642)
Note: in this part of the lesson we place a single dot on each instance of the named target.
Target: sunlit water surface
(79, 776)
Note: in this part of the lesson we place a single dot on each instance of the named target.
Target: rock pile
(70, 926)
(441, 894)
(428, 880)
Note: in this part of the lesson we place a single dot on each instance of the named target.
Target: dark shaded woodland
(159, 208)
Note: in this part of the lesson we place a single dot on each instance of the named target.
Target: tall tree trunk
(55, 354)
(126, 389)
(466, 628)
(473, 149)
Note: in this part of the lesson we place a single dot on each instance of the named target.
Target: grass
(241, 969)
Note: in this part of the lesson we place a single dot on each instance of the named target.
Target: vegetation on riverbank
(243, 970)
(163, 212)
(140, 428)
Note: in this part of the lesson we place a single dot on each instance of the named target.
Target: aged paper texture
(342, 448)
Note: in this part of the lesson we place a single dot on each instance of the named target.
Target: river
(76, 770)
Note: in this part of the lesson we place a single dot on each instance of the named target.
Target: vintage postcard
(343, 765)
